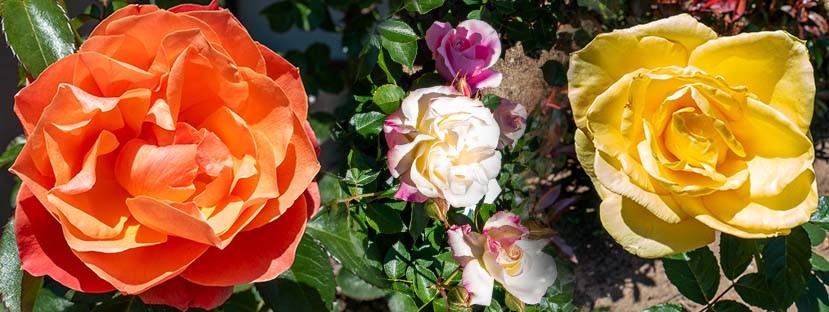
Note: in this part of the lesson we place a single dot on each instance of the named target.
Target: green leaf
(307, 286)
(11, 276)
(12, 150)
(388, 97)
(419, 220)
(665, 307)
(554, 73)
(384, 219)
(754, 290)
(396, 261)
(695, 274)
(735, 255)
(786, 264)
(815, 298)
(333, 230)
(401, 52)
(368, 124)
(38, 32)
(816, 233)
(396, 31)
(422, 6)
(491, 101)
(821, 215)
(354, 287)
(400, 302)
(819, 263)
(425, 280)
(47, 301)
(729, 306)
(281, 15)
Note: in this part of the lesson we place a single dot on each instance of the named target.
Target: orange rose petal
(133, 235)
(247, 259)
(182, 294)
(144, 28)
(85, 179)
(264, 184)
(226, 214)
(30, 102)
(162, 172)
(232, 130)
(136, 270)
(293, 175)
(129, 10)
(312, 196)
(267, 110)
(43, 251)
(119, 47)
(287, 76)
(211, 193)
(212, 155)
(102, 76)
(235, 38)
(177, 219)
(201, 81)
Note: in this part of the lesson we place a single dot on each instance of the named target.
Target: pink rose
(504, 253)
(512, 119)
(466, 52)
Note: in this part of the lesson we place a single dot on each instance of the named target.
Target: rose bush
(443, 145)
(685, 133)
(466, 52)
(502, 252)
(170, 157)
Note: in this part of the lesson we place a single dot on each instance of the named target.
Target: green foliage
(38, 32)
(308, 286)
(11, 276)
(735, 255)
(694, 273)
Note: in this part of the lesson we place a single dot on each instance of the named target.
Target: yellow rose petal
(773, 65)
(776, 151)
(610, 56)
(586, 152)
(612, 176)
(766, 215)
(643, 234)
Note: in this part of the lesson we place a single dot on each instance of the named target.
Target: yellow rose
(685, 133)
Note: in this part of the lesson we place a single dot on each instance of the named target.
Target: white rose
(443, 145)
(503, 253)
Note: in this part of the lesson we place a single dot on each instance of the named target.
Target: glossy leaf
(354, 287)
(368, 124)
(425, 280)
(786, 263)
(388, 97)
(815, 299)
(333, 231)
(694, 273)
(735, 255)
(821, 215)
(38, 32)
(400, 302)
(403, 53)
(11, 276)
(396, 31)
(384, 219)
(422, 6)
(12, 150)
(754, 290)
(307, 286)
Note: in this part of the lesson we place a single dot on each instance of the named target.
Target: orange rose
(170, 157)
